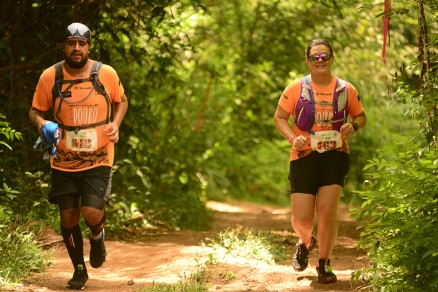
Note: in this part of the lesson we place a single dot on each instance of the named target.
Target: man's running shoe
(80, 277)
(301, 256)
(325, 272)
(97, 251)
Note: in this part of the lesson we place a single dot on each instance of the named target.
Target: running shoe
(80, 277)
(97, 251)
(325, 272)
(301, 256)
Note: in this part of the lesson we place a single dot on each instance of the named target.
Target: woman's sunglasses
(324, 57)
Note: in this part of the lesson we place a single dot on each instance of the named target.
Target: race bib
(325, 141)
(83, 140)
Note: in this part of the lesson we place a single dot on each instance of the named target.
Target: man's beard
(76, 65)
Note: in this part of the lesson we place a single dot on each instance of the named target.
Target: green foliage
(8, 194)
(236, 243)
(194, 282)
(399, 219)
(399, 210)
(252, 177)
(8, 132)
(28, 201)
(165, 189)
(181, 287)
(189, 286)
(249, 244)
(20, 254)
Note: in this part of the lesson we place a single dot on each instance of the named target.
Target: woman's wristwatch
(355, 126)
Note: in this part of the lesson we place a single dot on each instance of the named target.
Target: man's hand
(51, 133)
(112, 132)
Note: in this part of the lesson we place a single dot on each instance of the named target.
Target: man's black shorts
(315, 170)
(95, 181)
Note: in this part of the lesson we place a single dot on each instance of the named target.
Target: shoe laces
(324, 266)
(302, 249)
(328, 269)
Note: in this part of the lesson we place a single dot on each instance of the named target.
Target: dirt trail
(168, 257)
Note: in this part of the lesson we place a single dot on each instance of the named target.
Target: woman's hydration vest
(305, 108)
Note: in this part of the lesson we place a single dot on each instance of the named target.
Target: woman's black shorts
(315, 170)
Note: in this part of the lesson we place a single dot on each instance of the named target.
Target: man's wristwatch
(355, 126)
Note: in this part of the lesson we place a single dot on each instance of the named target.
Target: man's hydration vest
(305, 108)
(58, 93)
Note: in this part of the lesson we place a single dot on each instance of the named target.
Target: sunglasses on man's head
(324, 57)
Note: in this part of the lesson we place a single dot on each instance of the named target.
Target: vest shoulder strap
(340, 96)
(59, 78)
(341, 84)
(94, 78)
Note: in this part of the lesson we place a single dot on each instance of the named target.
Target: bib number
(83, 140)
(325, 141)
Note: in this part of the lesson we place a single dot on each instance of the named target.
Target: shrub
(399, 219)
(20, 254)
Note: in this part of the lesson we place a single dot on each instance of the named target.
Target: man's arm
(112, 128)
(120, 110)
(37, 118)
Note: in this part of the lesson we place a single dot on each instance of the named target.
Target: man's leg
(93, 212)
(72, 236)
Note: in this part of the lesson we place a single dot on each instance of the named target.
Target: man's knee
(96, 227)
(70, 217)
